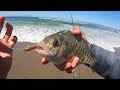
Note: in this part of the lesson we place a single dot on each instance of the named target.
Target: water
(34, 29)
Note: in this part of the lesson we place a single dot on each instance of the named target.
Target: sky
(106, 18)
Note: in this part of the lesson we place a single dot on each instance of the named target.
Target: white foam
(35, 34)
(106, 40)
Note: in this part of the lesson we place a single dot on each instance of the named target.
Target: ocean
(34, 29)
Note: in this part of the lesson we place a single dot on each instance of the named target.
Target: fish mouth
(42, 49)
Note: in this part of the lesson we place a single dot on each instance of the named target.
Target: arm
(107, 63)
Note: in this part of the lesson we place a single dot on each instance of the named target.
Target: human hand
(6, 45)
(70, 65)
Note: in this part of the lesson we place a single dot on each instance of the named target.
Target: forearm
(107, 63)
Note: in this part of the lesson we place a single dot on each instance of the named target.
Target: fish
(62, 46)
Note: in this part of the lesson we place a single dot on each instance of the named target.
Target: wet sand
(27, 65)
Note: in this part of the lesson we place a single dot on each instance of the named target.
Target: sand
(27, 65)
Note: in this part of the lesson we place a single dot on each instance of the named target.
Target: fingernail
(76, 59)
(15, 37)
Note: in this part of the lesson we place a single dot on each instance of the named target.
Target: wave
(34, 34)
(35, 29)
(54, 21)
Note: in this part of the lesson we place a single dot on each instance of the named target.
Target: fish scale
(69, 49)
(69, 45)
(72, 45)
(78, 48)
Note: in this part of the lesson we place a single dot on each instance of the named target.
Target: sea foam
(26, 32)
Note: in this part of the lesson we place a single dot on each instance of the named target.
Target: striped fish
(61, 46)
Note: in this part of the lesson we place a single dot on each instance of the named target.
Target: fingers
(13, 41)
(67, 66)
(75, 62)
(70, 66)
(77, 31)
(44, 61)
(2, 18)
(8, 32)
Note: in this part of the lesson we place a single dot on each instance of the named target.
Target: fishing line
(72, 19)
(75, 71)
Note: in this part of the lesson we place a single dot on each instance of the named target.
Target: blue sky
(106, 18)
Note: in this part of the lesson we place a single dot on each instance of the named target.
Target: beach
(31, 30)
(27, 65)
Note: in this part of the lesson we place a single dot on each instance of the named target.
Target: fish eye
(55, 43)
